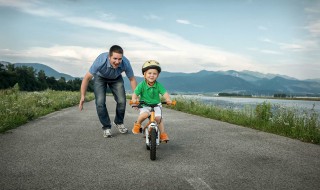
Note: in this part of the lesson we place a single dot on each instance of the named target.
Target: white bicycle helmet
(151, 64)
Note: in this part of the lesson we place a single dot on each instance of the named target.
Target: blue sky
(268, 36)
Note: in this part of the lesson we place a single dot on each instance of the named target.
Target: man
(106, 71)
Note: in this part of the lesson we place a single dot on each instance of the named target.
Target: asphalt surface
(67, 150)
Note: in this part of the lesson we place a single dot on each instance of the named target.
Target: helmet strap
(150, 83)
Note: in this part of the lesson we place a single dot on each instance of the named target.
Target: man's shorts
(158, 110)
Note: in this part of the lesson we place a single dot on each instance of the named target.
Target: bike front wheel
(153, 144)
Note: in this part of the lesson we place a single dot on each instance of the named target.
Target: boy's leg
(137, 124)
(143, 116)
(159, 119)
(100, 87)
(163, 135)
(160, 125)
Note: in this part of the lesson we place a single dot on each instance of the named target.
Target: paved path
(66, 150)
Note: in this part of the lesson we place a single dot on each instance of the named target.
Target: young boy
(149, 91)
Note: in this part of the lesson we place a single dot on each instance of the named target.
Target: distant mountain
(38, 66)
(244, 82)
(202, 84)
(314, 80)
(4, 62)
(289, 86)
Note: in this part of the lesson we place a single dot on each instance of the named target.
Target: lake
(239, 103)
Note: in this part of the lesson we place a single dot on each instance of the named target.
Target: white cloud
(298, 46)
(16, 3)
(183, 21)
(30, 7)
(186, 22)
(73, 60)
(175, 53)
(314, 28)
(313, 14)
(265, 51)
(177, 50)
(152, 17)
(263, 28)
(106, 16)
(312, 10)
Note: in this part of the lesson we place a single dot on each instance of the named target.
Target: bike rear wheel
(153, 144)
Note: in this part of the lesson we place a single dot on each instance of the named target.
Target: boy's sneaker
(164, 137)
(107, 133)
(121, 128)
(136, 128)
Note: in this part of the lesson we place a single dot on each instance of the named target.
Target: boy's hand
(132, 102)
(169, 102)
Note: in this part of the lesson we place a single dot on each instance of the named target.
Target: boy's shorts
(157, 110)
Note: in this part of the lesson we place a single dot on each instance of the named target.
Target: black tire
(153, 144)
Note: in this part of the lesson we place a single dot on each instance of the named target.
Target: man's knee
(100, 101)
(121, 102)
(101, 107)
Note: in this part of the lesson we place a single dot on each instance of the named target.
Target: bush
(263, 111)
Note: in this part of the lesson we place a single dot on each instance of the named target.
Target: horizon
(180, 72)
(269, 37)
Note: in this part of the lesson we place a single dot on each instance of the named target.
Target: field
(282, 121)
(17, 108)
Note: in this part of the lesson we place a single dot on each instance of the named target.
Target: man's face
(115, 60)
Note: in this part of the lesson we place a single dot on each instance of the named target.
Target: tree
(62, 83)
(52, 83)
(29, 80)
(26, 78)
(42, 79)
(8, 76)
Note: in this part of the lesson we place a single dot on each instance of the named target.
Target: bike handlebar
(138, 103)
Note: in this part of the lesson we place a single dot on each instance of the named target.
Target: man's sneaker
(121, 128)
(107, 133)
(136, 128)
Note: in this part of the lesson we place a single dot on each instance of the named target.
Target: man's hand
(81, 104)
(83, 88)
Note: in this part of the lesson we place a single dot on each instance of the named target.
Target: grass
(301, 125)
(17, 108)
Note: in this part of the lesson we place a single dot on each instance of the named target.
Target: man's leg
(100, 87)
(118, 91)
(119, 94)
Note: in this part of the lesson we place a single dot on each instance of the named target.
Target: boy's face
(115, 60)
(151, 75)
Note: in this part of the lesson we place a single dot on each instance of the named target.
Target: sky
(267, 36)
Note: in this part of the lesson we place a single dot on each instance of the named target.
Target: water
(240, 103)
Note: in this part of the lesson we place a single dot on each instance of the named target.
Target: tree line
(29, 79)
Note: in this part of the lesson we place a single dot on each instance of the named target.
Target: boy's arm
(134, 98)
(167, 97)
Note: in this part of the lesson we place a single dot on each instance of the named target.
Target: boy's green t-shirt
(150, 94)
